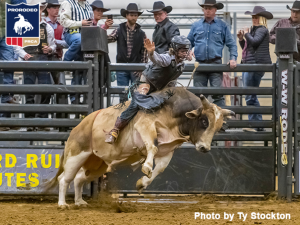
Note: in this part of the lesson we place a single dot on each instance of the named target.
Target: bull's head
(208, 121)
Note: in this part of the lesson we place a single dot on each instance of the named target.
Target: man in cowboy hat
(51, 13)
(6, 54)
(208, 37)
(41, 52)
(127, 35)
(98, 10)
(293, 21)
(165, 30)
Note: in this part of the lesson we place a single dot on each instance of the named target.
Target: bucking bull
(184, 117)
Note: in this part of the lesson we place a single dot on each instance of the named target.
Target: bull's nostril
(202, 149)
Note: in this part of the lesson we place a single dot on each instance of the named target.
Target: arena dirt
(43, 210)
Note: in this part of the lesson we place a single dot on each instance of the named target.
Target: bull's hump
(182, 101)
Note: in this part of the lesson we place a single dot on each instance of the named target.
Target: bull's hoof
(63, 206)
(140, 186)
(147, 171)
(109, 169)
(81, 203)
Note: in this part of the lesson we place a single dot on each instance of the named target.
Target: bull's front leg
(147, 131)
(161, 164)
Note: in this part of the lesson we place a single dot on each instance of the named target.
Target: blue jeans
(215, 80)
(252, 79)
(74, 52)
(43, 78)
(124, 78)
(6, 54)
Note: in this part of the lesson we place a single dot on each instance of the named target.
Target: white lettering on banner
(284, 91)
(284, 116)
(22, 10)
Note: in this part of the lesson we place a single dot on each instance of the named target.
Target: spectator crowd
(207, 38)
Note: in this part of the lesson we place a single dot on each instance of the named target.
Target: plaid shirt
(114, 36)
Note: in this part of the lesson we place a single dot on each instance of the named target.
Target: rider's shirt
(162, 60)
(162, 69)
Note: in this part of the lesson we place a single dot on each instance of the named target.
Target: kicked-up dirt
(157, 210)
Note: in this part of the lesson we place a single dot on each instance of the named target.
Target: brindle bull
(183, 118)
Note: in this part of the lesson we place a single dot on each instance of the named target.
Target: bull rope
(196, 64)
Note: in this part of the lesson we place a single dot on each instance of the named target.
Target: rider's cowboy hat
(296, 6)
(260, 11)
(99, 5)
(43, 5)
(212, 3)
(158, 6)
(131, 8)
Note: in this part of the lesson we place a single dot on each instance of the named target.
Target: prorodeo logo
(22, 25)
(284, 91)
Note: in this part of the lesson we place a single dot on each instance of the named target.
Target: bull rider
(162, 71)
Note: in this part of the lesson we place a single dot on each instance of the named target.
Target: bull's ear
(194, 114)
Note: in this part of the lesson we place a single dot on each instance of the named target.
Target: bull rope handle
(284, 160)
(196, 64)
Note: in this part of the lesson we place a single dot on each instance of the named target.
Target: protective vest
(159, 76)
(33, 50)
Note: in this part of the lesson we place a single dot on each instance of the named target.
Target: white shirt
(65, 12)
(50, 40)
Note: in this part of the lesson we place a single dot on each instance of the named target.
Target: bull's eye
(205, 123)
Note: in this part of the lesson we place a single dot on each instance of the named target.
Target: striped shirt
(72, 12)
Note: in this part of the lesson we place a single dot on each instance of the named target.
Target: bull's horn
(205, 102)
(227, 112)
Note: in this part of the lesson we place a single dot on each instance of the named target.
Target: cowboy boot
(114, 133)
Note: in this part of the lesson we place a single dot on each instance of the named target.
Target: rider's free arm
(65, 16)
(162, 60)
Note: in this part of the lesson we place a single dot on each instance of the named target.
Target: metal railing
(265, 136)
(85, 108)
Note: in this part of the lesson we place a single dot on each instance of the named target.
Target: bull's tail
(54, 181)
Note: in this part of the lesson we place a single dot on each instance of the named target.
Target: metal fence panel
(248, 170)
